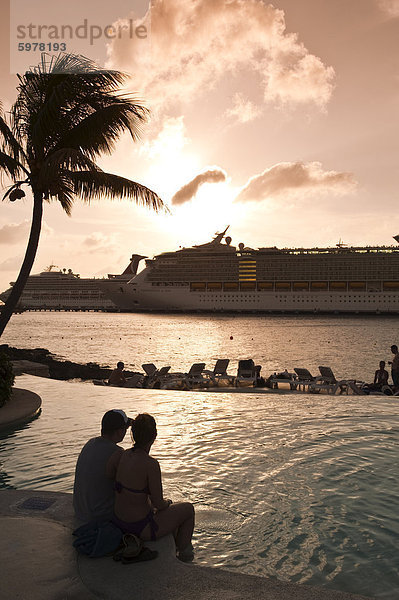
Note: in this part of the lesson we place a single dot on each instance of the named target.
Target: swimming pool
(298, 487)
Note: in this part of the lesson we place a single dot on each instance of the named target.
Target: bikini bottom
(136, 527)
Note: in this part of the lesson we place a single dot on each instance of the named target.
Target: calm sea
(353, 347)
(304, 488)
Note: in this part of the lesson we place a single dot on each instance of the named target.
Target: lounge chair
(195, 378)
(155, 377)
(325, 382)
(149, 369)
(159, 378)
(328, 380)
(304, 379)
(247, 373)
(163, 371)
(219, 372)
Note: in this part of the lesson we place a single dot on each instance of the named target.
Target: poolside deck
(23, 406)
(39, 563)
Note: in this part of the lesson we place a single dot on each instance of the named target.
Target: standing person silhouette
(395, 365)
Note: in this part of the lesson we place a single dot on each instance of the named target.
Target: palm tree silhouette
(67, 113)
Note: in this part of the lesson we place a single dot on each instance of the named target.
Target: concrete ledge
(23, 407)
(40, 564)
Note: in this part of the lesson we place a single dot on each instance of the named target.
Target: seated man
(117, 376)
(93, 492)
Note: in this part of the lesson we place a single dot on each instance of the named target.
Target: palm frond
(64, 91)
(76, 64)
(9, 143)
(99, 131)
(53, 178)
(65, 196)
(68, 159)
(58, 187)
(11, 167)
(68, 100)
(90, 185)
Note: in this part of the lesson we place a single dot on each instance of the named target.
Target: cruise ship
(220, 277)
(55, 289)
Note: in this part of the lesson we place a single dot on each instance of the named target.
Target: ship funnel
(131, 269)
(396, 238)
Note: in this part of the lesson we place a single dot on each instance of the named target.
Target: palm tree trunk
(29, 259)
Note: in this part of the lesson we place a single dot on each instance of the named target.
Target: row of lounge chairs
(326, 382)
(248, 374)
(197, 376)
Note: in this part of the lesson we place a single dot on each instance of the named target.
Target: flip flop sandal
(130, 548)
(144, 555)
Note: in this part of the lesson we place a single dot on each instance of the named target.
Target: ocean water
(300, 487)
(353, 347)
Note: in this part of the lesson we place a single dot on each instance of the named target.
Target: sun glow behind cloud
(170, 162)
(195, 45)
(210, 210)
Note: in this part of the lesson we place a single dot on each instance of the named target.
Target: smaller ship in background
(56, 289)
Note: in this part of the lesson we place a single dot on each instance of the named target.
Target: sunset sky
(280, 120)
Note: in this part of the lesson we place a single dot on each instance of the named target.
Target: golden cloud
(188, 191)
(293, 179)
(194, 44)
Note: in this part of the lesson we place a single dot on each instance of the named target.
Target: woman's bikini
(136, 527)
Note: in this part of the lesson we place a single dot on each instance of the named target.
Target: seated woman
(140, 507)
(380, 382)
(381, 375)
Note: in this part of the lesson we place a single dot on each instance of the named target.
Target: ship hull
(65, 304)
(135, 298)
(43, 302)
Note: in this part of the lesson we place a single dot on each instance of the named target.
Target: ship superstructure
(55, 289)
(218, 276)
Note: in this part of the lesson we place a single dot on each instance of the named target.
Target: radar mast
(219, 236)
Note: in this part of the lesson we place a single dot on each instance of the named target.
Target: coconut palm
(67, 113)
